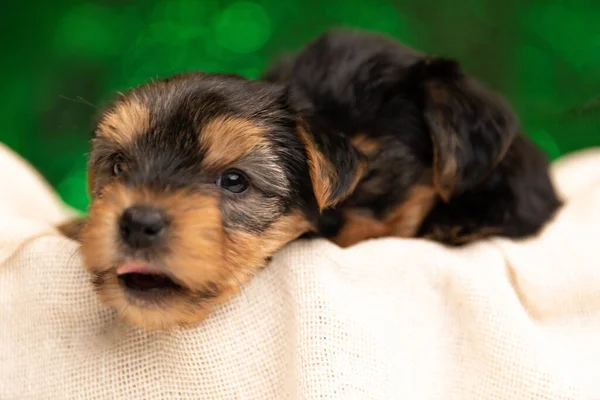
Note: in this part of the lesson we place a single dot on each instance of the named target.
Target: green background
(61, 59)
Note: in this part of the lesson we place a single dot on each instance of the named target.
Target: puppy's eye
(118, 168)
(233, 181)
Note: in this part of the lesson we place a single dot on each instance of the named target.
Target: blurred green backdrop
(63, 58)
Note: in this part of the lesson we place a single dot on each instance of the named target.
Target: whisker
(79, 100)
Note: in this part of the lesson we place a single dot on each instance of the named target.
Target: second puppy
(445, 156)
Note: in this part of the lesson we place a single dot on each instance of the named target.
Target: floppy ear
(335, 167)
(471, 128)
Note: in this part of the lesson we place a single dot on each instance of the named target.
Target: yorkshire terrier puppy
(445, 157)
(196, 181)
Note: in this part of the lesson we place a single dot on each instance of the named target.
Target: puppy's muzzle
(142, 227)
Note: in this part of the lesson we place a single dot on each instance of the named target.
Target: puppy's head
(196, 181)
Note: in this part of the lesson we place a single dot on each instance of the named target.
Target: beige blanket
(387, 319)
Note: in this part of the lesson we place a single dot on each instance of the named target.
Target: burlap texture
(387, 319)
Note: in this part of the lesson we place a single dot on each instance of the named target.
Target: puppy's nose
(141, 226)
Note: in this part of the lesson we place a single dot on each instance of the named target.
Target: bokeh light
(242, 27)
(86, 31)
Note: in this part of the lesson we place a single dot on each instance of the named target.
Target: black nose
(141, 226)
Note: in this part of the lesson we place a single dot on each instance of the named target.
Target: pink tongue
(136, 267)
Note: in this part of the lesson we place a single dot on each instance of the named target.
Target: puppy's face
(196, 182)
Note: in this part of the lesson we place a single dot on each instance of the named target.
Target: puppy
(445, 157)
(196, 181)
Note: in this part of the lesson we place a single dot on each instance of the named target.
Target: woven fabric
(386, 319)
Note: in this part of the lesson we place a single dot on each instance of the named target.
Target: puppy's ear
(335, 167)
(471, 128)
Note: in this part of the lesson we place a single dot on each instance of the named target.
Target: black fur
(428, 117)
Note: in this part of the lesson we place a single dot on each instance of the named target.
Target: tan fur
(323, 173)
(359, 225)
(365, 144)
(406, 219)
(128, 119)
(197, 238)
(248, 249)
(195, 242)
(403, 221)
(227, 139)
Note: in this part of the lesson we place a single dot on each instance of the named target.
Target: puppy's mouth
(147, 282)
(144, 279)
